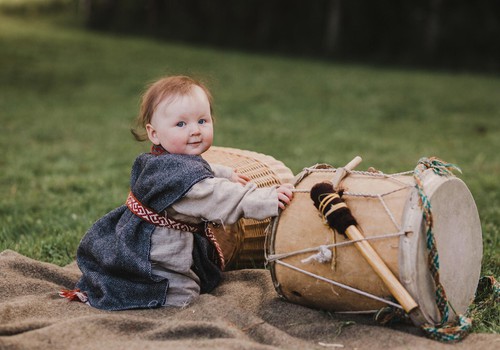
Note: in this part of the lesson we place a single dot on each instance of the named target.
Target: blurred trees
(451, 33)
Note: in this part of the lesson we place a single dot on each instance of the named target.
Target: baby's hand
(239, 178)
(285, 195)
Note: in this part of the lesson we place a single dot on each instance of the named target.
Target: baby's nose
(195, 129)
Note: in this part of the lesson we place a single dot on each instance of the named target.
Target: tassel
(324, 255)
(74, 295)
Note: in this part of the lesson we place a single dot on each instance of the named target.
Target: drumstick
(339, 217)
(340, 173)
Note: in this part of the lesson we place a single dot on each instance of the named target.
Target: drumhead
(457, 230)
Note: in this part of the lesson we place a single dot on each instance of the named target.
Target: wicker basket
(243, 243)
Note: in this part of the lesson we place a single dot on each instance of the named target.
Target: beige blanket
(244, 312)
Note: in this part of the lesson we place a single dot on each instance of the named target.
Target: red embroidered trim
(150, 216)
(211, 237)
(157, 150)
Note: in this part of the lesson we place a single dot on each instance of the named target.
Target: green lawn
(68, 98)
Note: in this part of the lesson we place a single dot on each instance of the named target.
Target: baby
(157, 249)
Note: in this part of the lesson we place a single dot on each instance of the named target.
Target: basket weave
(243, 243)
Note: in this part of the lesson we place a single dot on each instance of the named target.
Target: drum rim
(268, 250)
(270, 238)
(414, 227)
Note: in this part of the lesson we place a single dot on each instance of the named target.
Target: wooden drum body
(388, 213)
(243, 243)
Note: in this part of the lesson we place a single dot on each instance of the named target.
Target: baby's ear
(152, 135)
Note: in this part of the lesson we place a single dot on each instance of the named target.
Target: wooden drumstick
(339, 217)
(340, 173)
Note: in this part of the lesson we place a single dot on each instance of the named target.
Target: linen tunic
(217, 200)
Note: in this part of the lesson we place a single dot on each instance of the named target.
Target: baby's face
(183, 124)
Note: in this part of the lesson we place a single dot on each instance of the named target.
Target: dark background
(452, 34)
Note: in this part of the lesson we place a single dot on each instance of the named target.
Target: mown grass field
(68, 98)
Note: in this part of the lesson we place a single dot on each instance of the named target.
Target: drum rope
(338, 284)
(389, 213)
(370, 195)
(379, 196)
(444, 331)
(319, 168)
(276, 257)
(325, 168)
(358, 194)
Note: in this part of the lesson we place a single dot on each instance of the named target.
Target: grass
(68, 98)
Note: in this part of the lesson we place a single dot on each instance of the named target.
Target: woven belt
(154, 218)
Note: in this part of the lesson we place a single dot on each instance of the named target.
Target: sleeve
(222, 171)
(223, 201)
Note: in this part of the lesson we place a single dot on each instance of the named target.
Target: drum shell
(300, 226)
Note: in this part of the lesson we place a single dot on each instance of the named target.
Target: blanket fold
(244, 312)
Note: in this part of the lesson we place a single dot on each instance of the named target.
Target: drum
(243, 243)
(314, 266)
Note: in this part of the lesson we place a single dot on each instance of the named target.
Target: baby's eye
(202, 121)
(181, 124)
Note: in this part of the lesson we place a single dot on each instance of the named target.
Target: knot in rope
(323, 255)
(438, 166)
